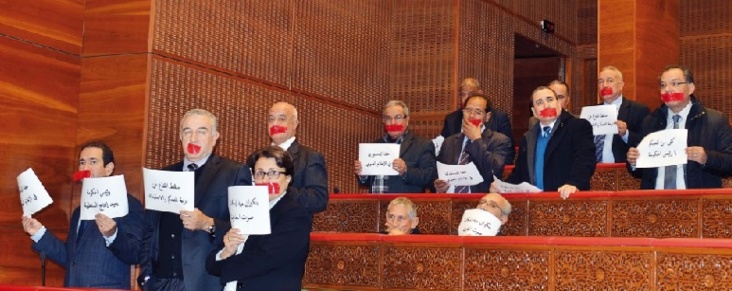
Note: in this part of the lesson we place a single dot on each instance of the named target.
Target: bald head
(496, 205)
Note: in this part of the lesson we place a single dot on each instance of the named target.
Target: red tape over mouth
(272, 187)
(476, 122)
(193, 148)
(80, 175)
(606, 91)
(394, 127)
(548, 112)
(275, 129)
(669, 97)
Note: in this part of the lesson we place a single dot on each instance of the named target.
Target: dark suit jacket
(569, 157)
(269, 262)
(489, 154)
(88, 261)
(419, 155)
(310, 180)
(632, 113)
(499, 122)
(211, 197)
(707, 128)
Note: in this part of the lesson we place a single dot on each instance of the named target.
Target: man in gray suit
(175, 246)
(416, 161)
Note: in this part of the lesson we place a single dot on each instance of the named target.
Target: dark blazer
(310, 180)
(569, 157)
(633, 114)
(499, 122)
(707, 128)
(419, 155)
(87, 259)
(489, 154)
(269, 262)
(211, 197)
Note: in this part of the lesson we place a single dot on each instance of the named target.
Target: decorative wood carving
(434, 216)
(684, 271)
(348, 216)
(605, 179)
(602, 270)
(342, 265)
(655, 218)
(421, 267)
(517, 220)
(503, 269)
(568, 218)
(458, 208)
(716, 218)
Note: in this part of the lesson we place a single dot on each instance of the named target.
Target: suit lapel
(406, 143)
(209, 172)
(556, 136)
(531, 149)
(294, 150)
(624, 110)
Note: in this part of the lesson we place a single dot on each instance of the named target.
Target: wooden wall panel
(57, 24)
(116, 27)
(38, 94)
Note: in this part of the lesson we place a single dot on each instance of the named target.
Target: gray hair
(614, 69)
(202, 112)
(398, 103)
(411, 208)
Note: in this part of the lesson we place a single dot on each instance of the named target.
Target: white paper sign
(478, 222)
(33, 196)
(459, 175)
(602, 118)
(376, 158)
(107, 195)
(524, 187)
(663, 148)
(169, 191)
(249, 209)
(437, 141)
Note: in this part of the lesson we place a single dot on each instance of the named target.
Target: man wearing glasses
(709, 141)
(486, 149)
(612, 148)
(416, 161)
(499, 121)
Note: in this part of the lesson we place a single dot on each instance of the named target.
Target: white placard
(663, 148)
(169, 191)
(249, 209)
(524, 187)
(376, 158)
(602, 118)
(107, 195)
(33, 196)
(459, 175)
(437, 141)
(478, 222)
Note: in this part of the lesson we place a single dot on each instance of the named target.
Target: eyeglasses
(609, 81)
(468, 111)
(272, 174)
(673, 84)
(397, 118)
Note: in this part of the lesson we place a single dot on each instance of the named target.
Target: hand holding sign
(168, 191)
(663, 148)
(33, 196)
(602, 117)
(249, 209)
(106, 194)
(377, 158)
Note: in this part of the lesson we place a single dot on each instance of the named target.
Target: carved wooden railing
(447, 262)
(701, 213)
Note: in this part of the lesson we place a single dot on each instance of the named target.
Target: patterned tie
(599, 146)
(669, 179)
(192, 167)
(464, 159)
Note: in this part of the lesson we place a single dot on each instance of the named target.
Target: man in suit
(486, 149)
(310, 180)
(499, 121)
(558, 153)
(96, 253)
(562, 90)
(175, 246)
(612, 148)
(709, 140)
(416, 161)
(401, 217)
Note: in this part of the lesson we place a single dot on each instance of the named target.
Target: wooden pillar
(639, 37)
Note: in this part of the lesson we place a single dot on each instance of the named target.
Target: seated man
(486, 220)
(416, 161)
(558, 153)
(486, 149)
(401, 217)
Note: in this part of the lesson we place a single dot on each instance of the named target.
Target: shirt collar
(198, 163)
(684, 113)
(286, 145)
(274, 202)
